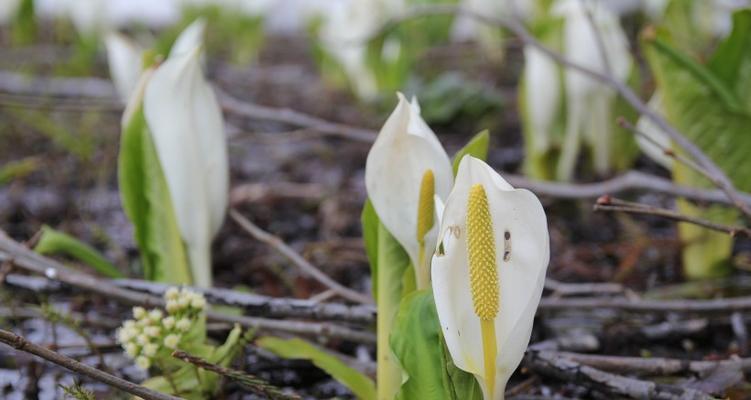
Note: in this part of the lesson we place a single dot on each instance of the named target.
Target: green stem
(388, 371)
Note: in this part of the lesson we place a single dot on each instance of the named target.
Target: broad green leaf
(476, 147)
(55, 242)
(700, 103)
(417, 342)
(362, 386)
(369, 220)
(146, 201)
(18, 169)
(731, 62)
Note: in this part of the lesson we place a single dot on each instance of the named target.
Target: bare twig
(287, 116)
(714, 306)
(628, 181)
(718, 177)
(653, 366)
(607, 203)
(21, 344)
(250, 382)
(570, 289)
(297, 259)
(550, 363)
(267, 306)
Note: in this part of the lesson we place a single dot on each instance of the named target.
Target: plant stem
(389, 295)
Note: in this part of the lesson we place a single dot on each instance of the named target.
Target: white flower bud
(183, 324)
(171, 341)
(168, 323)
(171, 293)
(143, 362)
(131, 349)
(139, 312)
(198, 302)
(142, 339)
(152, 331)
(155, 315)
(150, 349)
(172, 306)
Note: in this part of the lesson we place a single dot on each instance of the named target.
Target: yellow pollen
(425, 206)
(483, 273)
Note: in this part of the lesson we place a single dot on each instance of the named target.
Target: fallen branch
(250, 382)
(725, 306)
(552, 364)
(607, 203)
(21, 344)
(26, 259)
(628, 181)
(297, 259)
(653, 366)
(275, 307)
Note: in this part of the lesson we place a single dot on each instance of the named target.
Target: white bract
(125, 59)
(190, 38)
(542, 96)
(589, 103)
(186, 124)
(405, 169)
(8, 10)
(488, 273)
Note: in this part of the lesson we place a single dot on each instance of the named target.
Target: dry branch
(553, 364)
(21, 344)
(297, 259)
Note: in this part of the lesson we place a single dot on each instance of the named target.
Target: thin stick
(607, 203)
(26, 259)
(251, 382)
(297, 259)
(718, 177)
(551, 364)
(21, 344)
(714, 306)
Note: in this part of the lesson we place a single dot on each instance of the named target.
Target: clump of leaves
(78, 392)
(152, 336)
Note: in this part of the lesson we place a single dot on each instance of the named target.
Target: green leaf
(476, 147)
(17, 169)
(24, 29)
(418, 344)
(370, 222)
(147, 203)
(732, 60)
(55, 242)
(362, 386)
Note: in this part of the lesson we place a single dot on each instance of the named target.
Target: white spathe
(125, 59)
(542, 96)
(190, 38)
(186, 125)
(8, 10)
(522, 261)
(403, 151)
(589, 103)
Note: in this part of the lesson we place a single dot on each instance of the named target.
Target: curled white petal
(404, 150)
(186, 123)
(125, 61)
(190, 38)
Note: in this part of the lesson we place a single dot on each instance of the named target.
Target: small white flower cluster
(149, 332)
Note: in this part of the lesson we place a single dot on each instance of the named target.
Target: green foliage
(18, 169)
(24, 27)
(417, 342)
(80, 144)
(711, 105)
(362, 386)
(451, 97)
(230, 34)
(78, 392)
(476, 147)
(370, 222)
(147, 203)
(55, 242)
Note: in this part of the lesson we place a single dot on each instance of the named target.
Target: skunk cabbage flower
(188, 132)
(406, 168)
(488, 273)
(190, 38)
(589, 103)
(8, 10)
(542, 96)
(125, 61)
(89, 17)
(467, 27)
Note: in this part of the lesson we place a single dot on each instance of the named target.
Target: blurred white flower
(656, 139)
(589, 103)
(171, 341)
(183, 324)
(168, 322)
(186, 125)
(542, 96)
(8, 10)
(125, 59)
(467, 27)
(138, 312)
(190, 38)
(143, 362)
